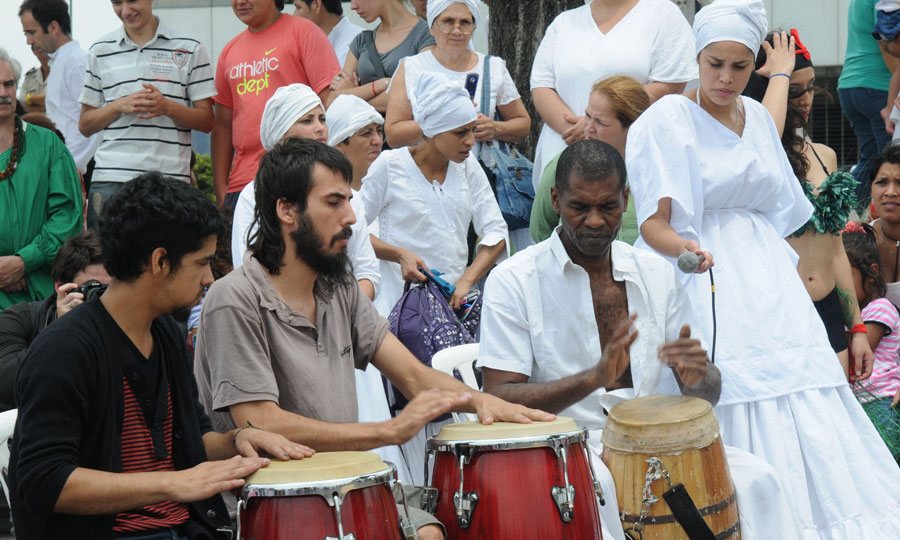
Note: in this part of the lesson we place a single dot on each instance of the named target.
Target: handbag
(511, 170)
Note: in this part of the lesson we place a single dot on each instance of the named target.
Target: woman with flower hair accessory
(823, 266)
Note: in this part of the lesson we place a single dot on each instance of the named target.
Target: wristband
(779, 74)
(374, 93)
(859, 329)
(240, 429)
(28, 98)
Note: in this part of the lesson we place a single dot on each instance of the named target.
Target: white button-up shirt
(538, 320)
(64, 84)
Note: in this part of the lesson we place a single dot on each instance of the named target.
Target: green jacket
(40, 208)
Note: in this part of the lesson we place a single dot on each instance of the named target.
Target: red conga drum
(339, 495)
(511, 481)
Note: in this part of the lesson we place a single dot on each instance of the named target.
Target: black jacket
(19, 326)
(71, 407)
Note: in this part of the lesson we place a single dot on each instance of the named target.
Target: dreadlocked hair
(862, 252)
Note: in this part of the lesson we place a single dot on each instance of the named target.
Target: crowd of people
(349, 164)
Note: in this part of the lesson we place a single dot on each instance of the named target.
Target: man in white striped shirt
(146, 87)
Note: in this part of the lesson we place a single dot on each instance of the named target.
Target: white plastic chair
(461, 358)
(7, 426)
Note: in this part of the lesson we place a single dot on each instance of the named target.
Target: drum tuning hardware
(406, 524)
(337, 514)
(563, 496)
(464, 501)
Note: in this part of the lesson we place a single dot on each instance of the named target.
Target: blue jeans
(862, 107)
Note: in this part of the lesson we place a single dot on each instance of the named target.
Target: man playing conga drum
(280, 337)
(541, 347)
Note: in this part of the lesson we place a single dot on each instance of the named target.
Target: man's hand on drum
(251, 442)
(615, 359)
(424, 408)
(210, 478)
(492, 409)
(686, 356)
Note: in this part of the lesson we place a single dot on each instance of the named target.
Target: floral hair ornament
(854, 227)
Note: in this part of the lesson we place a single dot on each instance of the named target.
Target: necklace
(18, 148)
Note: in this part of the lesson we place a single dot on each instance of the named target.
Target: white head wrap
(887, 6)
(436, 7)
(743, 21)
(440, 105)
(286, 105)
(348, 114)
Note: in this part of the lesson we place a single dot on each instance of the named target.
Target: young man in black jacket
(108, 390)
(77, 262)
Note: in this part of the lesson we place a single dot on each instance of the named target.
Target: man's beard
(310, 250)
(182, 314)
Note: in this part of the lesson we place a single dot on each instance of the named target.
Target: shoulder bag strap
(486, 86)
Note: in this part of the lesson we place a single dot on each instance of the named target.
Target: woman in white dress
(649, 40)
(710, 176)
(425, 197)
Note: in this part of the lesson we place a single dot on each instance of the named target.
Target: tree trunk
(517, 28)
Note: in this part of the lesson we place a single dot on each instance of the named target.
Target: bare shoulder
(826, 154)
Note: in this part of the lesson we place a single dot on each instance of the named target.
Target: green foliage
(203, 174)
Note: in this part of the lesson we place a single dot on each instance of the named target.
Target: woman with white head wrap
(354, 128)
(424, 199)
(452, 23)
(710, 176)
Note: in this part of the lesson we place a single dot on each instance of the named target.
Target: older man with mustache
(40, 197)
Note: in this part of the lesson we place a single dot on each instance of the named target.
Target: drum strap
(686, 513)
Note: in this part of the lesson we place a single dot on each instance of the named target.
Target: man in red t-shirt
(273, 51)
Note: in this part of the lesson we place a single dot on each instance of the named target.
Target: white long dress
(784, 397)
(428, 218)
(652, 43)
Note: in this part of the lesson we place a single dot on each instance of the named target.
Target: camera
(90, 289)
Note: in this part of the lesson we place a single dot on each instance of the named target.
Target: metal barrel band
(670, 518)
(730, 531)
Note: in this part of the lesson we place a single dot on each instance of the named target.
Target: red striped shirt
(138, 456)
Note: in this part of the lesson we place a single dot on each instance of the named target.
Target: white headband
(743, 21)
(348, 114)
(439, 105)
(286, 105)
(436, 7)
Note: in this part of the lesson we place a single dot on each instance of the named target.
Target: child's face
(859, 285)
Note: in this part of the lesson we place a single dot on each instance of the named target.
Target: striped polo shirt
(174, 63)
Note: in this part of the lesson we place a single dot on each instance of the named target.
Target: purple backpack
(425, 323)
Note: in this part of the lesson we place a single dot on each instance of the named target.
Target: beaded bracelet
(781, 74)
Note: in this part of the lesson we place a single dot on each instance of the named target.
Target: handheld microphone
(689, 262)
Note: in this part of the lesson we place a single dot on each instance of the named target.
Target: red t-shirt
(252, 66)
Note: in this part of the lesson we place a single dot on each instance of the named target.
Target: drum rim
(323, 488)
(510, 443)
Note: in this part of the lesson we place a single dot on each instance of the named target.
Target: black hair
(889, 154)
(76, 254)
(331, 6)
(279, 4)
(594, 161)
(862, 252)
(285, 172)
(154, 211)
(47, 11)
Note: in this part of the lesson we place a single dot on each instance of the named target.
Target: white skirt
(839, 478)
